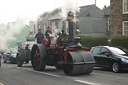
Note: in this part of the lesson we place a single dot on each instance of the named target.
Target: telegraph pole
(95, 2)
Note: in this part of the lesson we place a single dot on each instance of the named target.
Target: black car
(115, 58)
(10, 55)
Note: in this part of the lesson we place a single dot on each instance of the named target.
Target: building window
(108, 24)
(53, 27)
(125, 28)
(125, 6)
(38, 26)
(43, 28)
(67, 28)
(60, 25)
(34, 29)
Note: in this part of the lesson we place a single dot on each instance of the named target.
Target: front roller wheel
(79, 62)
(38, 54)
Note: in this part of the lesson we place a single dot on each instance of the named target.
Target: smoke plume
(70, 5)
(8, 30)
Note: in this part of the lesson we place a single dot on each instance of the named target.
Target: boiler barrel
(79, 62)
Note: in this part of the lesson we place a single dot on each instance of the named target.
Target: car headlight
(124, 60)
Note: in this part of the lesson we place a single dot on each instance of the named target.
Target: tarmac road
(10, 74)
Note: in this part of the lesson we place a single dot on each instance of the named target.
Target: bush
(119, 41)
(91, 41)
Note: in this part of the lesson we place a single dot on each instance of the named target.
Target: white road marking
(43, 73)
(85, 82)
(46, 73)
(80, 81)
(1, 84)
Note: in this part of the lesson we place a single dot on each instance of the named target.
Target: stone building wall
(116, 17)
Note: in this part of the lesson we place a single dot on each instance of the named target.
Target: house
(90, 21)
(56, 22)
(119, 17)
(33, 26)
(106, 10)
(44, 19)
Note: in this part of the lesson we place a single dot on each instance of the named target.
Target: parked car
(10, 55)
(115, 58)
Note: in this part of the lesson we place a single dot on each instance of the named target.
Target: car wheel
(11, 61)
(19, 60)
(115, 67)
(4, 61)
(0, 62)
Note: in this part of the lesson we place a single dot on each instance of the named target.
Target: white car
(10, 55)
(0, 59)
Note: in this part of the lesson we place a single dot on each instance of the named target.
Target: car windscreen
(14, 51)
(117, 51)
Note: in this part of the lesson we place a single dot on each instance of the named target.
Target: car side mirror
(107, 54)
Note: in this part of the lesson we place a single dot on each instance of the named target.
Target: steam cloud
(70, 5)
(7, 31)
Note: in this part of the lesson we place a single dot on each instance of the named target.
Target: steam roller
(64, 52)
(78, 62)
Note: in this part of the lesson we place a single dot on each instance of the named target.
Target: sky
(10, 10)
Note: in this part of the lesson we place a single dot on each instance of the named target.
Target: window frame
(123, 30)
(44, 28)
(67, 27)
(60, 25)
(109, 24)
(53, 27)
(124, 12)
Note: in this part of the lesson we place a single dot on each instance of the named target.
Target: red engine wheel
(70, 66)
(37, 57)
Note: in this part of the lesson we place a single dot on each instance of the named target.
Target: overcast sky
(29, 9)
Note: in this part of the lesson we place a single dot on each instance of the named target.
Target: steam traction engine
(67, 54)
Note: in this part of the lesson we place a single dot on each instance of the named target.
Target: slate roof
(107, 11)
(83, 9)
(56, 16)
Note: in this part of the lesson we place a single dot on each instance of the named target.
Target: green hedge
(90, 41)
(119, 41)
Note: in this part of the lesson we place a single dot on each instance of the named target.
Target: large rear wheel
(38, 57)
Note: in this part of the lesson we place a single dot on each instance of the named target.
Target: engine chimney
(70, 25)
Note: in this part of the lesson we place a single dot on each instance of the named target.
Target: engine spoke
(37, 58)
